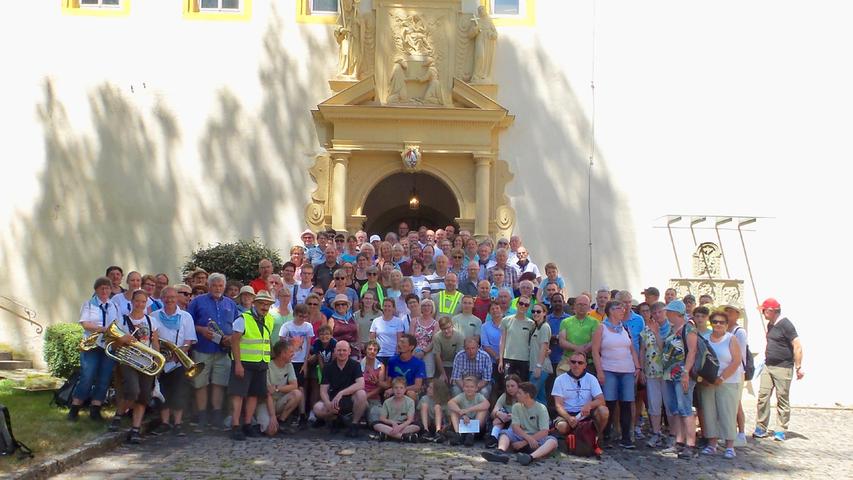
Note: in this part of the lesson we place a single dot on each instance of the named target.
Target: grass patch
(42, 427)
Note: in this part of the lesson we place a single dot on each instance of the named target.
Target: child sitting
(468, 406)
(502, 412)
(433, 406)
(529, 432)
(398, 413)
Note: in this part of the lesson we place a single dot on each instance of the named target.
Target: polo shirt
(578, 332)
(468, 325)
(490, 336)
(517, 344)
(779, 351)
(576, 392)
(635, 326)
(204, 308)
(340, 378)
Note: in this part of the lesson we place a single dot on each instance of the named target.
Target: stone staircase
(8, 363)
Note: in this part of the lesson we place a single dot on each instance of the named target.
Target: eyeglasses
(718, 322)
(372, 274)
(340, 278)
(186, 294)
(538, 311)
(577, 362)
(524, 304)
(458, 256)
(341, 304)
(313, 304)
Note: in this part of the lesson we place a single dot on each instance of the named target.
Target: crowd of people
(431, 336)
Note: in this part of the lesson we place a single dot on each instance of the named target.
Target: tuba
(137, 356)
(192, 368)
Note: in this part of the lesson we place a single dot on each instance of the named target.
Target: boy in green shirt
(398, 413)
(468, 406)
(528, 434)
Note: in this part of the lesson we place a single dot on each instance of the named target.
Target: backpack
(8, 444)
(706, 366)
(749, 365)
(583, 440)
(62, 397)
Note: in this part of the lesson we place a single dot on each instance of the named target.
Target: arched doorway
(388, 203)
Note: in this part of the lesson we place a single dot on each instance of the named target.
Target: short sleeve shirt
(447, 348)
(464, 402)
(300, 337)
(517, 346)
(413, 369)
(576, 392)
(652, 362)
(280, 376)
(780, 351)
(502, 404)
(398, 411)
(386, 334)
(540, 335)
(531, 420)
(468, 325)
(675, 352)
(578, 332)
(340, 378)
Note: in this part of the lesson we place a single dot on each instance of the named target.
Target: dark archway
(388, 203)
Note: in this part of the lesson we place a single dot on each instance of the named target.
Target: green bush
(60, 348)
(238, 260)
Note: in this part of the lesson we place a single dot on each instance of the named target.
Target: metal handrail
(15, 308)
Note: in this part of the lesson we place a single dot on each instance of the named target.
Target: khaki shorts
(217, 369)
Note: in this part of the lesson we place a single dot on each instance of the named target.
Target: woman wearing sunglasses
(720, 399)
(540, 364)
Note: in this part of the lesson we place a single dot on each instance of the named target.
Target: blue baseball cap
(676, 306)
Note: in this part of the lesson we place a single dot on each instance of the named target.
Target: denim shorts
(619, 386)
(678, 402)
(509, 432)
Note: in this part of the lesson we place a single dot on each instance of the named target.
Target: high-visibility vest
(379, 292)
(255, 344)
(443, 307)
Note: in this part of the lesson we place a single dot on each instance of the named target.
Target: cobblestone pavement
(818, 447)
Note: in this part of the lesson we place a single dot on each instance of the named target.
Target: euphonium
(88, 343)
(136, 355)
(192, 368)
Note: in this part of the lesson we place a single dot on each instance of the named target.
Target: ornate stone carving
(397, 90)
(315, 212)
(349, 33)
(412, 36)
(706, 260)
(722, 291)
(411, 156)
(434, 94)
(485, 39)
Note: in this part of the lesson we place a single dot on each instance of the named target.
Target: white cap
(375, 238)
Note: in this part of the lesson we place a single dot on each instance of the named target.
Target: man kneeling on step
(528, 434)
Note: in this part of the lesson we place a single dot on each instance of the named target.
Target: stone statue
(397, 88)
(349, 35)
(433, 94)
(485, 37)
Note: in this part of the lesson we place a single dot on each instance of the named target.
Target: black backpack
(706, 366)
(62, 397)
(8, 444)
(749, 365)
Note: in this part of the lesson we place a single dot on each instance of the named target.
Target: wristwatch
(538, 365)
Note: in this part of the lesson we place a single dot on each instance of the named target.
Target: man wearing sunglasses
(577, 395)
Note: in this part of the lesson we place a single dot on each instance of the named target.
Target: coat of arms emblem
(411, 156)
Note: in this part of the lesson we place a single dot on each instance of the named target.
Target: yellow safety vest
(443, 308)
(255, 344)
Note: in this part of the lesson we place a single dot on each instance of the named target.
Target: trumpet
(192, 368)
(136, 355)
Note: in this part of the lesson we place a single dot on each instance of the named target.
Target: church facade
(633, 145)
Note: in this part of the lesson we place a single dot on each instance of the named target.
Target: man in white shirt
(577, 395)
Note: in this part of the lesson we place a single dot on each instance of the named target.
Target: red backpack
(583, 441)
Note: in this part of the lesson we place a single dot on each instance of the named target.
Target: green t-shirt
(518, 331)
(531, 420)
(540, 335)
(447, 348)
(279, 320)
(430, 403)
(501, 403)
(464, 403)
(468, 325)
(578, 332)
(398, 411)
(364, 323)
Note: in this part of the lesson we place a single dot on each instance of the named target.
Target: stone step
(15, 364)
(5, 355)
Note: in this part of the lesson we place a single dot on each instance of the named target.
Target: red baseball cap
(770, 303)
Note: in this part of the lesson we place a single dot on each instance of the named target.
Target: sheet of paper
(472, 427)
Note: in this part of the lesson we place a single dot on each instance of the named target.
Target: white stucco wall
(716, 108)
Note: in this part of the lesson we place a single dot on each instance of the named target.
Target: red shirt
(258, 284)
(481, 308)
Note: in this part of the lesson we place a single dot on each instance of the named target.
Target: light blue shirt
(490, 336)
(635, 326)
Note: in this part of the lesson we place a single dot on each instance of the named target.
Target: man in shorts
(577, 395)
(528, 434)
(284, 394)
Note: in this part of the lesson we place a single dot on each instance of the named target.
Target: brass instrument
(192, 368)
(88, 343)
(137, 356)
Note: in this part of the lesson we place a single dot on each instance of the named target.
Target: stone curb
(82, 454)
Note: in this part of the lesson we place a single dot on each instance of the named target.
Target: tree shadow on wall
(549, 154)
(259, 162)
(104, 197)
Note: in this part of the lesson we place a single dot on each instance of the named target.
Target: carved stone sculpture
(411, 35)
(485, 37)
(349, 34)
(397, 87)
(433, 94)
(706, 260)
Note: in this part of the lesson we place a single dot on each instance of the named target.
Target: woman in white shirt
(386, 330)
(720, 400)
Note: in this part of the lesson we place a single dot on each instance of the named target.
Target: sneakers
(638, 433)
(709, 450)
(730, 454)
(740, 440)
(627, 445)
(179, 431)
(73, 413)
(688, 453)
(675, 448)
(491, 442)
(779, 436)
(524, 459)
(237, 434)
(411, 438)
(440, 437)
(759, 433)
(468, 439)
(428, 436)
(495, 456)
(134, 437)
(161, 429)
(382, 437)
(95, 413)
(454, 438)
(115, 423)
(654, 440)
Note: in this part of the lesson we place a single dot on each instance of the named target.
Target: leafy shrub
(238, 260)
(60, 348)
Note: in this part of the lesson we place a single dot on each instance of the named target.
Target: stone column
(483, 185)
(340, 161)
